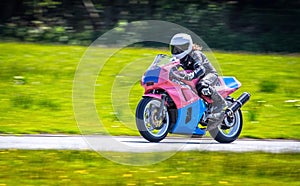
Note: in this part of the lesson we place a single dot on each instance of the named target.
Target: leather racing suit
(201, 67)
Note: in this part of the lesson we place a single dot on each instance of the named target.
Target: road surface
(138, 144)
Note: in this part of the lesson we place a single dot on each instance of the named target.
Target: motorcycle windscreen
(188, 118)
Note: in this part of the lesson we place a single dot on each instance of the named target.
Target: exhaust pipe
(236, 105)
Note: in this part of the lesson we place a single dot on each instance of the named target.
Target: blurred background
(248, 25)
(42, 42)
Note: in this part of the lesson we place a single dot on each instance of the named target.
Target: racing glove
(187, 76)
(183, 75)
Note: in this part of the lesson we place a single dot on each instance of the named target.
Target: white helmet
(181, 45)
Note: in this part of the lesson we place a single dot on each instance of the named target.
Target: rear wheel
(148, 121)
(224, 134)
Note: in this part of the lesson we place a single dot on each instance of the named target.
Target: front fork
(162, 104)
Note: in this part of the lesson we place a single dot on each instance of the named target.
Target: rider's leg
(218, 110)
(206, 87)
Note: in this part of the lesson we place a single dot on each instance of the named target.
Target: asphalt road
(138, 144)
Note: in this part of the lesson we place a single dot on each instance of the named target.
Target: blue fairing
(151, 75)
(188, 119)
(231, 82)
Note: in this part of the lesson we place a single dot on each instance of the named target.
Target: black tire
(228, 135)
(158, 133)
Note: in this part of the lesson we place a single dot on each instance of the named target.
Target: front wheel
(148, 121)
(225, 134)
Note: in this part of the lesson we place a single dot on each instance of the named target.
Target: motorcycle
(171, 105)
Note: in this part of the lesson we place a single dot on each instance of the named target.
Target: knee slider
(203, 88)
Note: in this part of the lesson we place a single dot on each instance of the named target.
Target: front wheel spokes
(147, 115)
(155, 124)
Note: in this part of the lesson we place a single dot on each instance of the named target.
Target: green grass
(22, 167)
(42, 101)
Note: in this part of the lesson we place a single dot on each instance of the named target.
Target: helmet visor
(178, 49)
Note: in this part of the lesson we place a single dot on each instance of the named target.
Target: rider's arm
(201, 65)
(202, 61)
(199, 71)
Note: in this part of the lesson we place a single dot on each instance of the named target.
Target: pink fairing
(183, 92)
(226, 89)
(157, 96)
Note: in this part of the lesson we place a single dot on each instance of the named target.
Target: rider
(191, 58)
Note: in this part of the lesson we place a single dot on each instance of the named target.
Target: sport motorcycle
(172, 105)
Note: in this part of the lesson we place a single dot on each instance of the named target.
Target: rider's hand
(182, 75)
(186, 76)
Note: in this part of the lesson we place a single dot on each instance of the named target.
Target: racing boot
(218, 108)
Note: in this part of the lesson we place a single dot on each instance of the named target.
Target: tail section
(227, 85)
